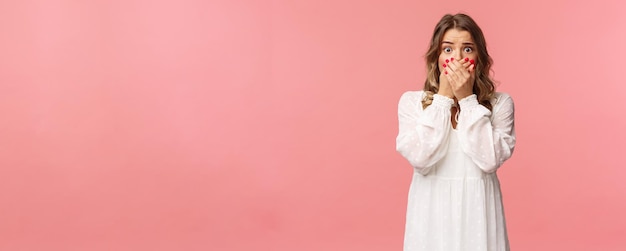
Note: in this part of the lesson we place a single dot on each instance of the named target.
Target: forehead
(457, 36)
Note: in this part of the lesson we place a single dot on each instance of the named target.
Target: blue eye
(468, 49)
(447, 49)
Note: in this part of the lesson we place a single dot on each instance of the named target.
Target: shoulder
(502, 99)
(410, 101)
(412, 97)
(499, 97)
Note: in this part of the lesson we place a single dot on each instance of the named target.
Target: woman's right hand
(444, 86)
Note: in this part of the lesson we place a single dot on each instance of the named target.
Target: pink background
(270, 125)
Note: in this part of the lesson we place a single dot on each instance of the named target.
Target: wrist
(447, 94)
(461, 96)
(442, 100)
(468, 101)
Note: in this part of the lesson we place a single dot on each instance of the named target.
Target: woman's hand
(460, 77)
(444, 86)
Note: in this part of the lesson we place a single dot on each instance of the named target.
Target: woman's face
(457, 44)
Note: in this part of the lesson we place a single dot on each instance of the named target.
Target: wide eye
(447, 50)
(468, 50)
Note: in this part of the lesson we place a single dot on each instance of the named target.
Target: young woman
(456, 133)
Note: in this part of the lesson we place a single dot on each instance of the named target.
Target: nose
(457, 55)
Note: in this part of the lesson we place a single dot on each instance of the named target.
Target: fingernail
(472, 61)
(444, 65)
(446, 72)
(452, 59)
(466, 59)
(447, 61)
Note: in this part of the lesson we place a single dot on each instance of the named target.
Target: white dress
(454, 200)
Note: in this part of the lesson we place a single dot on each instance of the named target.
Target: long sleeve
(423, 133)
(487, 139)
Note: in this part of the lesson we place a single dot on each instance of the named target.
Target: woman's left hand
(461, 75)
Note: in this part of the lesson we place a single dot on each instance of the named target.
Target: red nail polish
(447, 61)
(472, 61)
(444, 65)
(446, 72)
(466, 59)
(452, 59)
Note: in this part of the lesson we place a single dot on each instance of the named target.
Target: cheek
(442, 60)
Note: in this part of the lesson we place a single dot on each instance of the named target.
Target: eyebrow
(464, 43)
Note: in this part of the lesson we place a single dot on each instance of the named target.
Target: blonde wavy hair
(484, 87)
